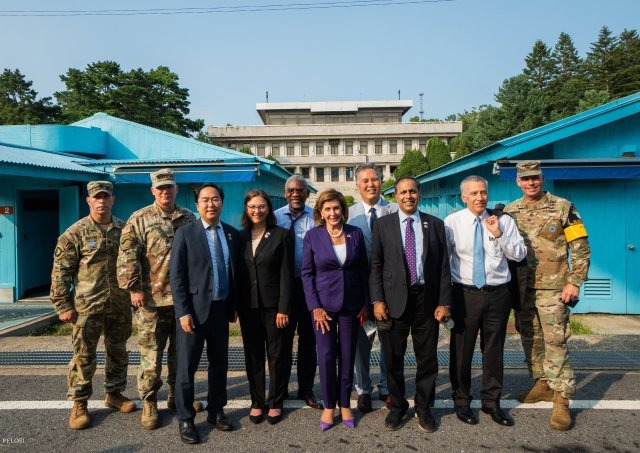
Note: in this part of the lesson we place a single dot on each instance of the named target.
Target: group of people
(329, 273)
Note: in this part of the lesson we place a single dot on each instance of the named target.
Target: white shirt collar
(206, 225)
(471, 217)
(367, 207)
(415, 216)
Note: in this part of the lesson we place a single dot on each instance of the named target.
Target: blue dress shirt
(417, 229)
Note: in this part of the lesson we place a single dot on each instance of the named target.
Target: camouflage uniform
(84, 279)
(550, 227)
(143, 265)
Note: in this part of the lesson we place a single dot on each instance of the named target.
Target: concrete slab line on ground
(246, 404)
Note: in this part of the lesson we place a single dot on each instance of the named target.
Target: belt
(484, 289)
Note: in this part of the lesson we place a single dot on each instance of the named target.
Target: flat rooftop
(333, 106)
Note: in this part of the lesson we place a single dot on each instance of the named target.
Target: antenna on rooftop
(267, 96)
(421, 106)
(398, 94)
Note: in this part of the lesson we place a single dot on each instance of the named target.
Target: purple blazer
(326, 283)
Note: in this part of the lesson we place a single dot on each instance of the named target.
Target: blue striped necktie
(479, 277)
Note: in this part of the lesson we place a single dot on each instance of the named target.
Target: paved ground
(47, 430)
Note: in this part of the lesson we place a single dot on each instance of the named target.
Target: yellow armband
(575, 231)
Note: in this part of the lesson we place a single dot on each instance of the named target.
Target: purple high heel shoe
(350, 423)
(325, 426)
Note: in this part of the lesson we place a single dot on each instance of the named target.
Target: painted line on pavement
(293, 404)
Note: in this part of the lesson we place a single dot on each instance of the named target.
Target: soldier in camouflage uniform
(85, 293)
(555, 235)
(143, 269)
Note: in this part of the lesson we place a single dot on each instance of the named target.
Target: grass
(577, 328)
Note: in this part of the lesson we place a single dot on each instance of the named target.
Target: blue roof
(44, 159)
(516, 145)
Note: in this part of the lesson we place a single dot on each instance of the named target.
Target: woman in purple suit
(335, 279)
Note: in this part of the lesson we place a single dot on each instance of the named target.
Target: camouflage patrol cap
(95, 187)
(528, 168)
(163, 177)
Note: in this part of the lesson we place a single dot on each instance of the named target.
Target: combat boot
(149, 418)
(79, 418)
(539, 392)
(560, 416)
(118, 401)
(171, 402)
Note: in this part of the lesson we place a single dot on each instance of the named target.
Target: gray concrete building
(325, 141)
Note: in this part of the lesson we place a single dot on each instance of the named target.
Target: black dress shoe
(393, 420)
(498, 416)
(426, 422)
(188, 432)
(220, 421)
(364, 403)
(465, 415)
(310, 401)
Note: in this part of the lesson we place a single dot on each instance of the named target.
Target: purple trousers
(337, 345)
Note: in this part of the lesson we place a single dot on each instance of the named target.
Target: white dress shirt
(459, 228)
(417, 229)
(367, 208)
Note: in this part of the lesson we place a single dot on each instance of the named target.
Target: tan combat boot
(149, 418)
(171, 402)
(118, 401)
(539, 392)
(560, 416)
(79, 418)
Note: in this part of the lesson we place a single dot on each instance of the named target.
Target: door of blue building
(604, 209)
(632, 249)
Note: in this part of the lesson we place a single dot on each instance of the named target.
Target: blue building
(591, 159)
(44, 170)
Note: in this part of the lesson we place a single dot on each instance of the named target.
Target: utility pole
(421, 106)
(398, 94)
(267, 95)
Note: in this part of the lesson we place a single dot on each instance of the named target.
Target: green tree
(539, 65)
(599, 63)
(458, 146)
(246, 151)
(19, 103)
(566, 88)
(592, 99)
(522, 107)
(270, 157)
(626, 62)
(413, 163)
(437, 153)
(153, 98)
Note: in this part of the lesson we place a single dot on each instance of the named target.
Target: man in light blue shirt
(298, 219)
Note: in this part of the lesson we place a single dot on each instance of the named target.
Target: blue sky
(457, 52)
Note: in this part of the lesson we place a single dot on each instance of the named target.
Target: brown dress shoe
(310, 400)
(364, 403)
(79, 417)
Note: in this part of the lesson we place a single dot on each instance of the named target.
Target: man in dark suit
(410, 285)
(203, 286)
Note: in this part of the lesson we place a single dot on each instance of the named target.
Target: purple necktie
(410, 251)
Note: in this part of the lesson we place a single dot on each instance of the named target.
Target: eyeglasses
(209, 201)
(295, 190)
(260, 207)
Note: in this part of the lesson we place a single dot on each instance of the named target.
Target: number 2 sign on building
(6, 210)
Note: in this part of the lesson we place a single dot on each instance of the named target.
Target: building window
(305, 172)
(408, 144)
(333, 144)
(392, 169)
(290, 149)
(275, 149)
(364, 147)
(393, 147)
(334, 150)
(304, 149)
(423, 145)
(378, 147)
(319, 148)
(348, 173)
(261, 148)
(348, 147)
(335, 174)
(290, 169)
(319, 174)
(232, 146)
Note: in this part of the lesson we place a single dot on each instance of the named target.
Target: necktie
(410, 251)
(223, 284)
(479, 278)
(292, 228)
(372, 218)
